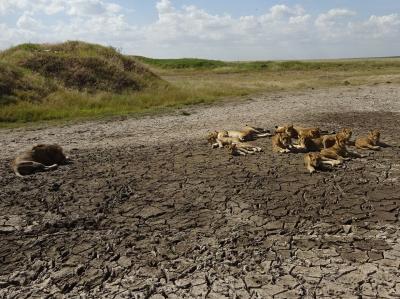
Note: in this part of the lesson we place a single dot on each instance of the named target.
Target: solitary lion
(42, 157)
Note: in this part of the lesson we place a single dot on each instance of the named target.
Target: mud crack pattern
(185, 221)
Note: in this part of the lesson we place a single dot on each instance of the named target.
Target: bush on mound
(83, 73)
(33, 71)
(17, 85)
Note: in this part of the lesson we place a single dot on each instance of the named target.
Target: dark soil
(185, 221)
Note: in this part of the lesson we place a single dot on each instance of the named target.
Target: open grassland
(242, 78)
(76, 80)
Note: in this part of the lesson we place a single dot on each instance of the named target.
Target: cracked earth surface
(135, 219)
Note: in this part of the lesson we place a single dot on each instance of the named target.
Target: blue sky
(229, 30)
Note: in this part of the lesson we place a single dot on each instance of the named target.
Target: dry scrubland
(77, 80)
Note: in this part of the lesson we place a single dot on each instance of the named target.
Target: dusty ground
(139, 216)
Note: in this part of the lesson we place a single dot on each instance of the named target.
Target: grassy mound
(81, 66)
(72, 79)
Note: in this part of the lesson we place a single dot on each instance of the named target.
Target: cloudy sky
(219, 29)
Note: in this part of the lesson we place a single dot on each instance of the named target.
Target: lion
(248, 133)
(314, 161)
(307, 144)
(282, 143)
(314, 144)
(339, 150)
(330, 140)
(221, 139)
(243, 149)
(295, 132)
(42, 157)
(372, 141)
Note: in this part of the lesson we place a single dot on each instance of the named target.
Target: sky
(214, 29)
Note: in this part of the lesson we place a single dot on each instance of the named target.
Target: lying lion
(237, 147)
(42, 157)
(282, 143)
(221, 139)
(296, 132)
(330, 140)
(308, 144)
(339, 150)
(372, 141)
(248, 133)
(242, 149)
(314, 161)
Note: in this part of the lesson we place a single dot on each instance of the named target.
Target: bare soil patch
(136, 218)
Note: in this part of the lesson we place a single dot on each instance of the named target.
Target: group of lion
(321, 148)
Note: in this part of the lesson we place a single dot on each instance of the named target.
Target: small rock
(347, 229)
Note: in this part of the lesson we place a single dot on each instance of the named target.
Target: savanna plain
(149, 210)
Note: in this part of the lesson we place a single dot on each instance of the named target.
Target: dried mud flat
(132, 218)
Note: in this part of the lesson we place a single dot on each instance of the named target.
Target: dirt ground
(139, 216)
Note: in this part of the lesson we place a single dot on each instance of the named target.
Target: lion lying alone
(42, 157)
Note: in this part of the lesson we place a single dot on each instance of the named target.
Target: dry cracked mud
(137, 218)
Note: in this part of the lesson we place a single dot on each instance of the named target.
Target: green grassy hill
(33, 72)
(72, 79)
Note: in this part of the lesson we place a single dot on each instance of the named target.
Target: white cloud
(383, 25)
(27, 22)
(279, 12)
(72, 7)
(11, 5)
(91, 7)
(334, 24)
(281, 32)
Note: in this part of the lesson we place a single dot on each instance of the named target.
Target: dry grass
(40, 85)
(246, 82)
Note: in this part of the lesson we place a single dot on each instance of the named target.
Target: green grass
(186, 64)
(76, 80)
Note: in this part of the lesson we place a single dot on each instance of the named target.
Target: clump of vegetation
(17, 85)
(82, 73)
